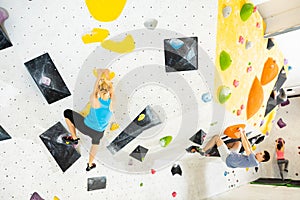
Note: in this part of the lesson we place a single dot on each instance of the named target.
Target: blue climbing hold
(206, 97)
(290, 68)
(176, 43)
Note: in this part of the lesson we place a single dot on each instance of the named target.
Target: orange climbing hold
(255, 98)
(270, 71)
(231, 130)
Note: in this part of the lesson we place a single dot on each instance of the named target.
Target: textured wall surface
(56, 27)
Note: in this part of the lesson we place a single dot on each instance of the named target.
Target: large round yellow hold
(105, 10)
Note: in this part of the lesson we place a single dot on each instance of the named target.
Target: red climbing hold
(174, 194)
(236, 83)
(153, 171)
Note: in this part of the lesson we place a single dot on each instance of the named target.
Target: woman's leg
(68, 114)
(71, 128)
(93, 153)
(280, 166)
(286, 162)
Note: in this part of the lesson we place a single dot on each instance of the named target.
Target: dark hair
(266, 156)
(279, 145)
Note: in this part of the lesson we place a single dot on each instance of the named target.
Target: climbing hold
(3, 15)
(242, 106)
(256, 169)
(153, 171)
(105, 11)
(270, 71)
(213, 123)
(176, 43)
(238, 112)
(176, 169)
(270, 43)
(261, 123)
(285, 61)
(255, 98)
(125, 46)
(141, 184)
(226, 11)
(247, 169)
(199, 137)
(55, 198)
(36, 196)
(224, 94)
(257, 25)
(110, 76)
(174, 194)
(253, 148)
(165, 141)
(241, 39)
(225, 60)
(225, 173)
(285, 103)
(249, 69)
(248, 45)
(254, 9)
(114, 126)
(150, 24)
(290, 68)
(246, 11)
(231, 130)
(45, 80)
(206, 97)
(281, 123)
(97, 35)
(236, 83)
(141, 117)
(260, 139)
(85, 111)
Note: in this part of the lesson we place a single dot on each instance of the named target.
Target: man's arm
(245, 142)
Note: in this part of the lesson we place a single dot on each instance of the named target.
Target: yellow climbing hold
(97, 35)
(105, 10)
(111, 74)
(141, 117)
(125, 46)
(114, 126)
(86, 110)
(55, 198)
(247, 169)
(253, 147)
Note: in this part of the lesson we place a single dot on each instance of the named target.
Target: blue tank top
(98, 118)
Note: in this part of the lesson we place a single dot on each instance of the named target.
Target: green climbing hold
(141, 184)
(224, 94)
(246, 11)
(165, 141)
(225, 60)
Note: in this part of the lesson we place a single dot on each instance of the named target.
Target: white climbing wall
(36, 27)
(290, 133)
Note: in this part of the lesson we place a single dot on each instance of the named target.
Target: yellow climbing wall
(247, 63)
